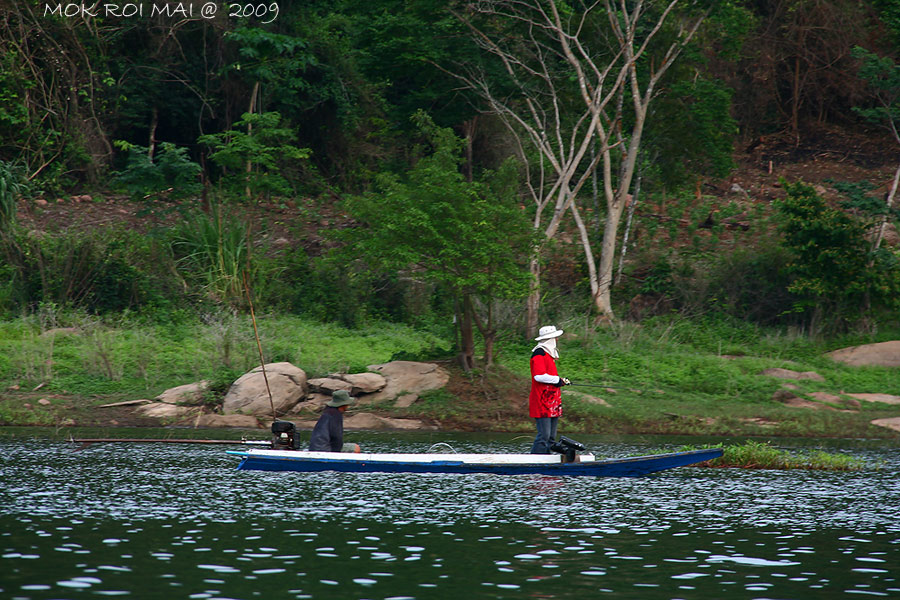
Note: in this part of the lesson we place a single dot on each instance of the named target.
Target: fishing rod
(241, 441)
(284, 433)
(85, 442)
(262, 362)
(597, 385)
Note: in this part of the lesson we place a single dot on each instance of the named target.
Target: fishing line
(433, 446)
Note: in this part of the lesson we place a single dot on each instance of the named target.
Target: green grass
(121, 357)
(760, 455)
(669, 376)
(674, 375)
(698, 359)
(27, 413)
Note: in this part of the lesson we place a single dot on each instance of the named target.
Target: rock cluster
(247, 402)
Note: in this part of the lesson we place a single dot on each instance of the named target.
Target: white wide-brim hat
(548, 332)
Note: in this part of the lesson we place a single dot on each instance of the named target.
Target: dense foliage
(834, 270)
(410, 199)
(467, 237)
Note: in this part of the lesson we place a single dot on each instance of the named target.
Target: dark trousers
(546, 433)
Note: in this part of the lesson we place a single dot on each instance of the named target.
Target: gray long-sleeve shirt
(328, 434)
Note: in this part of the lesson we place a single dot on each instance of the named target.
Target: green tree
(471, 238)
(833, 274)
(266, 145)
(889, 10)
(303, 66)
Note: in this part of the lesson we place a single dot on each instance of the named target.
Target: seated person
(328, 434)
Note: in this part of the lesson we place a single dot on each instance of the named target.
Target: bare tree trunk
(469, 130)
(488, 333)
(603, 297)
(889, 201)
(489, 350)
(625, 28)
(466, 354)
(154, 122)
(250, 110)
(631, 205)
(537, 112)
(536, 116)
(588, 254)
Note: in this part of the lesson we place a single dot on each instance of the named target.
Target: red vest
(545, 400)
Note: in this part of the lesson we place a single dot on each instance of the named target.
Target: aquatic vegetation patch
(761, 455)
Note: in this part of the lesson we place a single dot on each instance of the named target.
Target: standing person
(328, 434)
(545, 399)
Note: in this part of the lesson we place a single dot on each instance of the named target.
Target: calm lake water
(178, 521)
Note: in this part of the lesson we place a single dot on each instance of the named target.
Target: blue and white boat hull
(499, 464)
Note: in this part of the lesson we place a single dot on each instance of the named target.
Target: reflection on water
(154, 521)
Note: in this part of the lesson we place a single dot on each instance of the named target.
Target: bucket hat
(548, 332)
(340, 398)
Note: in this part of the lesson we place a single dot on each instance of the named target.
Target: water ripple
(113, 520)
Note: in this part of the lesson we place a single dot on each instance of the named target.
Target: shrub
(12, 184)
(101, 271)
(169, 174)
(213, 252)
(835, 277)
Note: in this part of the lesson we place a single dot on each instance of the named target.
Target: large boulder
(801, 403)
(164, 410)
(789, 398)
(890, 423)
(883, 354)
(329, 385)
(364, 383)
(406, 400)
(191, 394)
(214, 420)
(407, 377)
(369, 421)
(313, 401)
(850, 403)
(248, 395)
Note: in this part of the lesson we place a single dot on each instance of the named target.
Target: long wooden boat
(500, 464)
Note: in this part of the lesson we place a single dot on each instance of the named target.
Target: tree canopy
(461, 139)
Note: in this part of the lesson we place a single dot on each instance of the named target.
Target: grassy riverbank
(673, 376)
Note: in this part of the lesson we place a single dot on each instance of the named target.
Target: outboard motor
(285, 436)
(567, 448)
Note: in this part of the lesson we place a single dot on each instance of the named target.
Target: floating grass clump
(759, 455)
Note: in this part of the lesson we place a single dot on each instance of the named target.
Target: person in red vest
(545, 399)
